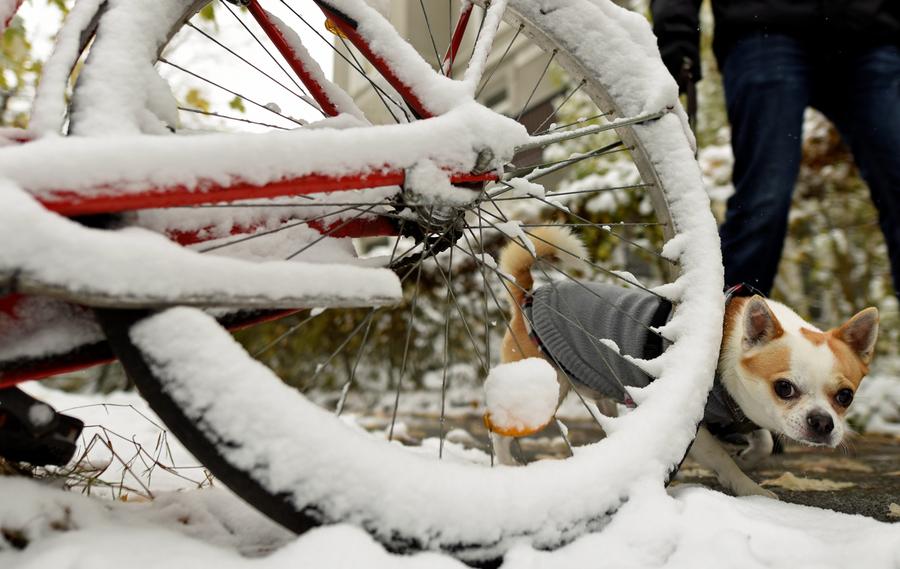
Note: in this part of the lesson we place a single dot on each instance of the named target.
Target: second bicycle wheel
(630, 190)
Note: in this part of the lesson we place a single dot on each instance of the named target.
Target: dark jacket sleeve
(676, 24)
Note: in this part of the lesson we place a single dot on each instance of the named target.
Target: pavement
(860, 477)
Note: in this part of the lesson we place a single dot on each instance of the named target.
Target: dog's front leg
(707, 451)
(503, 451)
(760, 445)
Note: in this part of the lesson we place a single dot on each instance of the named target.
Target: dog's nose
(820, 423)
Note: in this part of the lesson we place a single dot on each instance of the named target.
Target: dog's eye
(785, 389)
(844, 397)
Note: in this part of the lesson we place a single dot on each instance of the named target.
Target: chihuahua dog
(776, 374)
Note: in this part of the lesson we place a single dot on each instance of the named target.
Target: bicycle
(444, 180)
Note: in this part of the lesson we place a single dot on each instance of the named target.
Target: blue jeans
(769, 81)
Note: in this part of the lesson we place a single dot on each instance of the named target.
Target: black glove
(681, 57)
(676, 24)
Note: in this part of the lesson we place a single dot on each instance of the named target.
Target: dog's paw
(759, 447)
(747, 487)
(748, 459)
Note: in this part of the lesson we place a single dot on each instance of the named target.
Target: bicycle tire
(662, 151)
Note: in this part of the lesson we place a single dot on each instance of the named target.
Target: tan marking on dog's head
(768, 362)
(860, 333)
(733, 312)
(751, 317)
(848, 364)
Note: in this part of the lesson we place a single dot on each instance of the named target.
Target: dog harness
(586, 328)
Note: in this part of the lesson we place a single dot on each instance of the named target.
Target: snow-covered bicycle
(134, 238)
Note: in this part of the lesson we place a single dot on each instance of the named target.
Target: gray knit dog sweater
(569, 319)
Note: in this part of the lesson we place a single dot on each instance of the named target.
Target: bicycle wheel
(302, 465)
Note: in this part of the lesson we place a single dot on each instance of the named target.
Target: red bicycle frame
(74, 204)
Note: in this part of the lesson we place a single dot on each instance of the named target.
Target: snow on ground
(192, 522)
(877, 404)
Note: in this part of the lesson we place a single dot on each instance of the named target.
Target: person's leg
(863, 100)
(766, 82)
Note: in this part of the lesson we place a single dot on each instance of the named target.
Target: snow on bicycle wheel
(545, 114)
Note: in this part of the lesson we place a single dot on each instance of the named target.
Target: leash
(741, 289)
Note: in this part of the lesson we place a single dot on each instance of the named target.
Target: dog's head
(790, 377)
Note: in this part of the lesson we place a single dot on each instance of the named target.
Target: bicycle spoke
(355, 65)
(350, 205)
(503, 279)
(321, 367)
(283, 336)
(493, 70)
(570, 253)
(345, 389)
(227, 90)
(409, 328)
(490, 291)
(231, 118)
(580, 121)
(446, 361)
(329, 232)
(536, 85)
(378, 91)
(538, 171)
(595, 225)
(271, 55)
(462, 317)
(278, 229)
(563, 432)
(588, 289)
(610, 231)
(487, 335)
(598, 267)
(559, 107)
(302, 97)
(437, 56)
(575, 192)
(547, 139)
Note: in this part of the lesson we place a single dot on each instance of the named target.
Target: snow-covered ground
(151, 514)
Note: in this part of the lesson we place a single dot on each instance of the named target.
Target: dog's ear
(860, 333)
(760, 324)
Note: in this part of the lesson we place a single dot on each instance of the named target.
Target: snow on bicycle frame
(115, 169)
(86, 179)
(118, 171)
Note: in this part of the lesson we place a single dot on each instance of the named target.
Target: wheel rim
(633, 138)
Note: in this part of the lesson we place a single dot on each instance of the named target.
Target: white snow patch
(136, 263)
(522, 395)
(513, 229)
(877, 404)
(49, 108)
(520, 187)
(430, 184)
